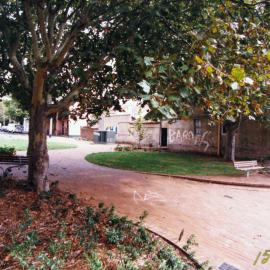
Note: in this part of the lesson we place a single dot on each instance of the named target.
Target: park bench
(11, 162)
(266, 165)
(247, 166)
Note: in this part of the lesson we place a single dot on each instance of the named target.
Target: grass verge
(164, 162)
(21, 144)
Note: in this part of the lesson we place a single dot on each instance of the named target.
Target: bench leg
(247, 173)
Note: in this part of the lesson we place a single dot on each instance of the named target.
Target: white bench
(247, 166)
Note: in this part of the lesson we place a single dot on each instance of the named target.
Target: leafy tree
(56, 53)
(11, 110)
(138, 128)
(225, 72)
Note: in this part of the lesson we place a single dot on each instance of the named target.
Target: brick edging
(208, 181)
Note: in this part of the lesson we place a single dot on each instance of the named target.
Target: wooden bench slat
(250, 168)
(12, 162)
(241, 163)
(247, 166)
(20, 160)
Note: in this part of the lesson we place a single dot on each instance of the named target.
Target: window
(197, 127)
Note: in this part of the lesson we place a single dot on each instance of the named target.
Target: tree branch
(59, 57)
(66, 102)
(18, 68)
(75, 91)
(41, 22)
(32, 30)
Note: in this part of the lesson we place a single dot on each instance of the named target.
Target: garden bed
(58, 231)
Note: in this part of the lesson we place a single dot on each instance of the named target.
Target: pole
(51, 127)
(219, 139)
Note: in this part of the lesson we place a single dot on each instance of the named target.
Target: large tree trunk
(37, 147)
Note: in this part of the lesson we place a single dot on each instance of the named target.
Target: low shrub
(60, 232)
(125, 148)
(7, 150)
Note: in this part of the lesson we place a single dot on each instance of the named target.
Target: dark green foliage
(114, 236)
(94, 261)
(170, 260)
(96, 237)
(7, 150)
(122, 31)
(26, 220)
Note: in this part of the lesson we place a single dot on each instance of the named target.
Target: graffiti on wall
(178, 136)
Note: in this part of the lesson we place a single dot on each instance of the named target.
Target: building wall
(111, 122)
(126, 134)
(59, 127)
(181, 137)
(25, 125)
(87, 133)
(75, 127)
(252, 140)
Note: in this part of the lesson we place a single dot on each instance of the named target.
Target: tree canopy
(57, 53)
(225, 71)
(176, 55)
(11, 110)
(92, 50)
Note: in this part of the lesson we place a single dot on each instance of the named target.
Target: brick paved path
(232, 224)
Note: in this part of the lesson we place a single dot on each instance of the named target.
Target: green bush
(125, 148)
(114, 236)
(93, 261)
(7, 150)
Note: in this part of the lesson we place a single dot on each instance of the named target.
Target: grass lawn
(169, 163)
(21, 144)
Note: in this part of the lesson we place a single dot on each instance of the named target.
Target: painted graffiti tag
(148, 196)
(188, 137)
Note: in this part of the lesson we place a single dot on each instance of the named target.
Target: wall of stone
(181, 137)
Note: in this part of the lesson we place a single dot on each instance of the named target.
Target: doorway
(164, 136)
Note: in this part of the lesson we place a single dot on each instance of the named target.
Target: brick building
(196, 135)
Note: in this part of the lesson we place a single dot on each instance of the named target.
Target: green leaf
(198, 59)
(197, 90)
(209, 70)
(184, 67)
(161, 69)
(148, 74)
(184, 92)
(238, 73)
(145, 86)
(154, 103)
(268, 56)
(167, 111)
(148, 60)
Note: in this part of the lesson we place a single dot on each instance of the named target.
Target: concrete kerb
(208, 181)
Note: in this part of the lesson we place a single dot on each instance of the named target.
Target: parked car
(14, 128)
(19, 128)
(4, 128)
